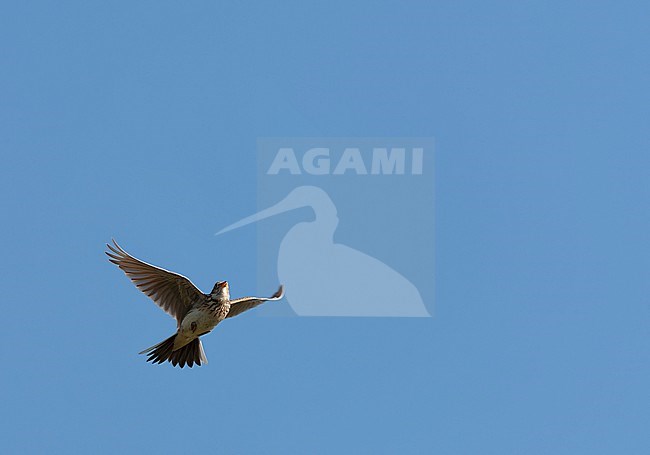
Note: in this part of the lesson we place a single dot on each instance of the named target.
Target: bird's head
(220, 291)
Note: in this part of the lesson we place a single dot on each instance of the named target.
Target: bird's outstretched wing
(238, 306)
(170, 291)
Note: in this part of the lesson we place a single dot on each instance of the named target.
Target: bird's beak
(288, 203)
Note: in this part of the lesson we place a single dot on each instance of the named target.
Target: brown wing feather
(170, 291)
(238, 306)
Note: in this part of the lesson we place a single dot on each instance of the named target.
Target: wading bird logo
(309, 261)
(196, 313)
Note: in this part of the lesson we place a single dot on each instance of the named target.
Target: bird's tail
(190, 354)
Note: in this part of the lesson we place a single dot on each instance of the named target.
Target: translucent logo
(346, 225)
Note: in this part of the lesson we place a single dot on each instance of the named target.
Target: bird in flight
(196, 313)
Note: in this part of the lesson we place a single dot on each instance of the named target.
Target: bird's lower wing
(238, 306)
(170, 291)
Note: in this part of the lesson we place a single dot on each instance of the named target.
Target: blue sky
(139, 121)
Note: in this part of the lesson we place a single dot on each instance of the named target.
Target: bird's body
(196, 313)
(201, 319)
